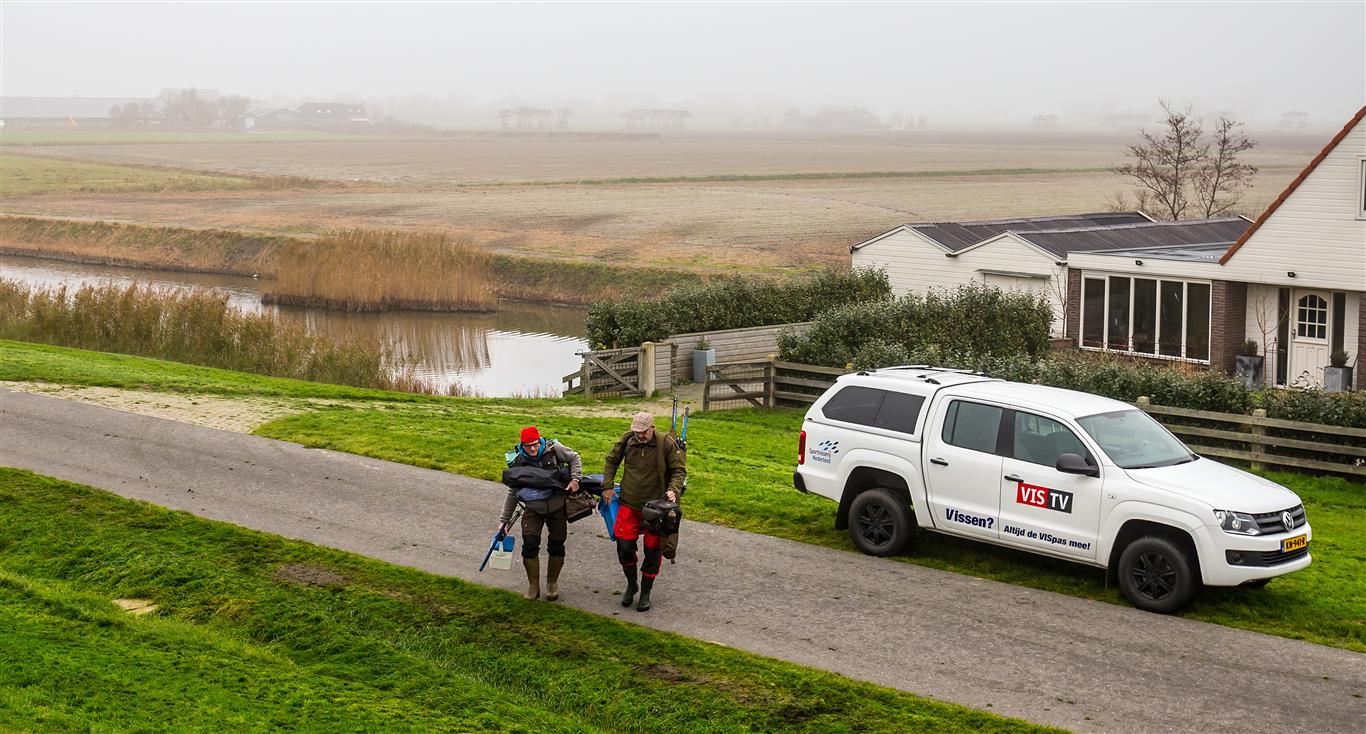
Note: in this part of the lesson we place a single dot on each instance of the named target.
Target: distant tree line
(182, 109)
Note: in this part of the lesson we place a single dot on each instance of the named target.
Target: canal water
(523, 349)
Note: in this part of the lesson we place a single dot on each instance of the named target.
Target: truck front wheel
(880, 523)
(1155, 575)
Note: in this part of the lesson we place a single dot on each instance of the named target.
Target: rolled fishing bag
(534, 483)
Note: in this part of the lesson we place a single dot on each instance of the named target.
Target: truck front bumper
(1237, 559)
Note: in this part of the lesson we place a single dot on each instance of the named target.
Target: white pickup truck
(1056, 472)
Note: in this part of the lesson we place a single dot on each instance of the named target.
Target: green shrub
(731, 303)
(972, 325)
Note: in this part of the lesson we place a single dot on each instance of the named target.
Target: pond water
(522, 349)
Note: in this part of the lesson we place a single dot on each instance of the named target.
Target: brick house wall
(1072, 318)
(1228, 323)
(1360, 371)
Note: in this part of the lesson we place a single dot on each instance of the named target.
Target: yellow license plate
(1295, 543)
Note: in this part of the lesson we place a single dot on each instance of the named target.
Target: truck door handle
(940, 462)
(1013, 478)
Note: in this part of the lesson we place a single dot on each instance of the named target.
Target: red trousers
(627, 528)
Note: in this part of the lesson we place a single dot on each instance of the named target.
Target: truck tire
(1155, 575)
(880, 523)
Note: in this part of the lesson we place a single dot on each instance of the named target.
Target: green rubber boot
(629, 595)
(643, 604)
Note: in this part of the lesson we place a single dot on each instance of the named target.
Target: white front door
(1309, 329)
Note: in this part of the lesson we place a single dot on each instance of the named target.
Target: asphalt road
(1040, 656)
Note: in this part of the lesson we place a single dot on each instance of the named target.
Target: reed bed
(366, 270)
(192, 327)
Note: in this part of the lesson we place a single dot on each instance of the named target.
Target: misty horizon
(730, 65)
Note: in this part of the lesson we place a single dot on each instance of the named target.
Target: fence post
(586, 372)
(645, 369)
(706, 388)
(1143, 402)
(1258, 438)
(770, 384)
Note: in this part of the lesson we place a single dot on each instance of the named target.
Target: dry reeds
(170, 248)
(363, 270)
(187, 326)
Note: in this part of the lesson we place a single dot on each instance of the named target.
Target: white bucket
(501, 559)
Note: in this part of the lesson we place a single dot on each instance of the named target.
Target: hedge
(732, 303)
(973, 321)
(1175, 385)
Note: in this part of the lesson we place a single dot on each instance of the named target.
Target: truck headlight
(1237, 523)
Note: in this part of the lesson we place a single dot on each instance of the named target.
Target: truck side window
(899, 412)
(854, 404)
(1041, 440)
(972, 426)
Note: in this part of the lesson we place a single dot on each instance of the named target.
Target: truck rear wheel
(1155, 575)
(880, 523)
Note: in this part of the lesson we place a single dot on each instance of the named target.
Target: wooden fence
(1263, 441)
(608, 372)
(1255, 439)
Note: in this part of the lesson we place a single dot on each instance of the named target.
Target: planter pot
(1337, 379)
(701, 358)
(1250, 371)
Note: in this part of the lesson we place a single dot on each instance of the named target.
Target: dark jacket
(650, 469)
(556, 455)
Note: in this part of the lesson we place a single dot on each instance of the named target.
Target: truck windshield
(1133, 440)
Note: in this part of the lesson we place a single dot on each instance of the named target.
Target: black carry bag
(580, 504)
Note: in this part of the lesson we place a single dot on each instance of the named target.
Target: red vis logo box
(1045, 497)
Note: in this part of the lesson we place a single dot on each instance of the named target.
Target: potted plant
(1250, 366)
(702, 355)
(1337, 377)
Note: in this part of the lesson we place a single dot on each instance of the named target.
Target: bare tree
(1180, 171)
(1164, 163)
(1221, 180)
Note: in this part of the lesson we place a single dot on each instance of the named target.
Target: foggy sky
(983, 63)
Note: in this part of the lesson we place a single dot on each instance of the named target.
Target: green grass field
(740, 468)
(22, 175)
(257, 633)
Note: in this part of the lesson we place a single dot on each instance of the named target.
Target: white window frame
(1361, 188)
(1157, 331)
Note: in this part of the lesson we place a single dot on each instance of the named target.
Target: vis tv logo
(1049, 499)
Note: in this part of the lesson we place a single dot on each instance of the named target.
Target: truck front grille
(1272, 523)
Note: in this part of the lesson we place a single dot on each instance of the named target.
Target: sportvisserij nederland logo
(825, 451)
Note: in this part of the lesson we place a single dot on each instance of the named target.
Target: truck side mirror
(1074, 464)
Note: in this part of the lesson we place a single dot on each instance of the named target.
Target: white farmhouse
(1294, 281)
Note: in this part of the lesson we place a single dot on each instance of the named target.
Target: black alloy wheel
(880, 523)
(1156, 574)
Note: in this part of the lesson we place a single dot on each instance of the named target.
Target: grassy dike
(740, 468)
(544, 280)
(261, 633)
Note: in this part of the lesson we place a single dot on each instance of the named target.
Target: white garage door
(1030, 285)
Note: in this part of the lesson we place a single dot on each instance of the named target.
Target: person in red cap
(543, 508)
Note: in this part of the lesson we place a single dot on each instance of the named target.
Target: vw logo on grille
(1287, 520)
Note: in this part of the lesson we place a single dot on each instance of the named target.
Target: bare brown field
(752, 226)
(493, 159)
(508, 194)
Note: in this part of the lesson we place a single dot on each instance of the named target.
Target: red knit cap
(530, 434)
